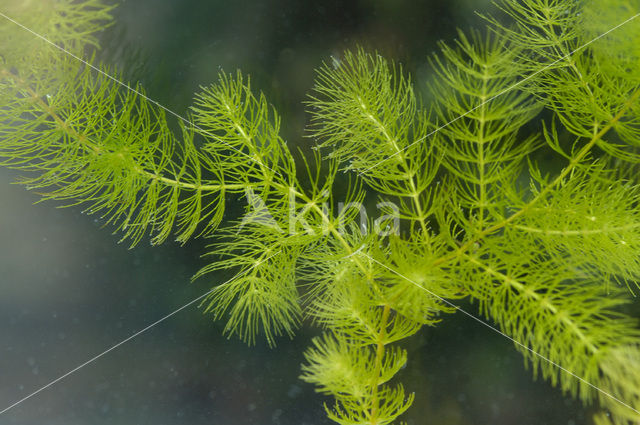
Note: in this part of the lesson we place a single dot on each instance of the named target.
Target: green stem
(481, 156)
(399, 153)
(565, 172)
(94, 148)
(375, 402)
(523, 289)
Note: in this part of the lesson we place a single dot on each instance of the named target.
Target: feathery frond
(365, 110)
(547, 262)
(263, 297)
(480, 111)
(113, 152)
(352, 376)
(592, 218)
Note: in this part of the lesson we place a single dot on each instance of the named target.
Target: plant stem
(96, 149)
(399, 153)
(522, 289)
(375, 402)
(565, 172)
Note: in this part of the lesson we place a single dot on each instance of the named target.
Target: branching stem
(399, 153)
(375, 402)
(462, 249)
(522, 289)
(94, 148)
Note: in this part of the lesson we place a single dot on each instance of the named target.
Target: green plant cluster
(549, 256)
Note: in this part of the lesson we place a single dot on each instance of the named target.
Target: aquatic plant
(549, 256)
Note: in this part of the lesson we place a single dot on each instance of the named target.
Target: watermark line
(498, 331)
(93, 359)
(191, 124)
(194, 126)
(508, 89)
(138, 333)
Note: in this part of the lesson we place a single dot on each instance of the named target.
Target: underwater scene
(286, 212)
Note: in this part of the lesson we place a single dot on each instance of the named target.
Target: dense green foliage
(549, 255)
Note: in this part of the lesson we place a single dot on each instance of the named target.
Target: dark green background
(69, 291)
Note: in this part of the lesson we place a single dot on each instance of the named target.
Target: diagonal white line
(141, 331)
(362, 172)
(142, 95)
(91, 360)
(508, 89)
(498, 331)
